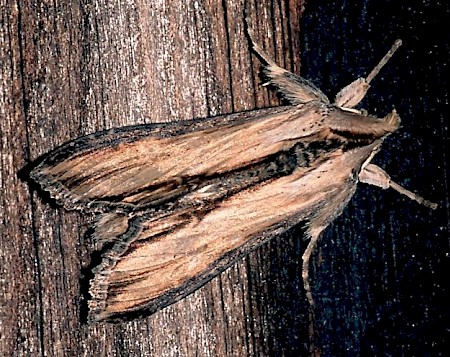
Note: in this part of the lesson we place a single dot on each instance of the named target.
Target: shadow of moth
(179, 202)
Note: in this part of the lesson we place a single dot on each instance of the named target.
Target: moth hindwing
(180, 202)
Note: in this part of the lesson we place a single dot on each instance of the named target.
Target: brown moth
(180, 202)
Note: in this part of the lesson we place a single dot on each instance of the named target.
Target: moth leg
(350, 96)
(375, 175)
(314, 235)
(305, 267)
(293, 88)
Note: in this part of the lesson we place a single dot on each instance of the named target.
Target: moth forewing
(155, 271)
(152, 164)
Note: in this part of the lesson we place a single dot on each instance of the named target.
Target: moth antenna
(376, 176)
(352, 94)
(412, 195)
(384, 60)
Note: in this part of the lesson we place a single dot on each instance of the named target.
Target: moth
(177, 203)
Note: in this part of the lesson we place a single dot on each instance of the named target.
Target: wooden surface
(68, 70)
